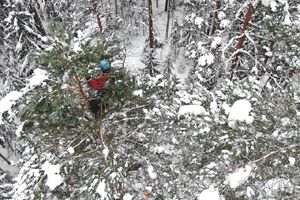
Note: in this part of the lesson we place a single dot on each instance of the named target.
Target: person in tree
(100, 84)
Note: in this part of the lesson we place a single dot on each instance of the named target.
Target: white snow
(250, 192)
(192, 109)
(217, 41)
(19, 130)
(240, 112)
(138, 93)
(199, 21)
(221, 15)
(206, 60)
(270, 3)
(273, 186)
(8, 101)
(292, 161)
(225, 23)
(38, 77)
(54, 179)
(101, 190)
(11, 98)
(127, 196)
(151, 172)
(210, 194)
(239, 177)
(71, 150)
(105, 152)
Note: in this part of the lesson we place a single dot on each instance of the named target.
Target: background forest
(205, 104)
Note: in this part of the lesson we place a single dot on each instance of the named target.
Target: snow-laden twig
(255, 48)
(274, 152)
(226, 47)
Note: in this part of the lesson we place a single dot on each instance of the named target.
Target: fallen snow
(199, 21)
(138, 93)
(71, 150)
(210, 194)
(206, 60)
(19, 130)
(101, 190)
(105, 152)
(217, 41)
(127, 196)
(192, 109)
(225, 23)
(38, 77)
(270, 3)
(54, 179)
(292, 161)
(239, 177)
(151, 172)
(240, 112)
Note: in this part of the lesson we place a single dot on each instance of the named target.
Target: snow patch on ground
(101, 190)
(240, 111)
(151, 172)
(138, 93)
(54, 179)
(192, 109)
(210, 194)
(206, 60)
(239, 177)
(127, 196)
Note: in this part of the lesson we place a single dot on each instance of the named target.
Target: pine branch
(81, 92)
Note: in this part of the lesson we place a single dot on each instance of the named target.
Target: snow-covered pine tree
(87, 152)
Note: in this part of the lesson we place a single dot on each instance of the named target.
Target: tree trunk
(241, 40)
(215, 18)
(166, 5)
(81, 92)
(156, 3)
(168, 19)
(150, 14)
(116, 7)
(94, 4)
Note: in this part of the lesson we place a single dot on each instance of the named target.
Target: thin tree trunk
(150, 15)
(241, 40)
(122, 8)
(5, 159)
(168, 20)
(116, 7)
(215, 18)
(290, 75)
(166, 5)
(94, 4)
(81, 92)
(156, 3)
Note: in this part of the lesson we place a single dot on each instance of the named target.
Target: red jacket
(100, 82)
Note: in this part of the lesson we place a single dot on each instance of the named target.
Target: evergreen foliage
(218, 114)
